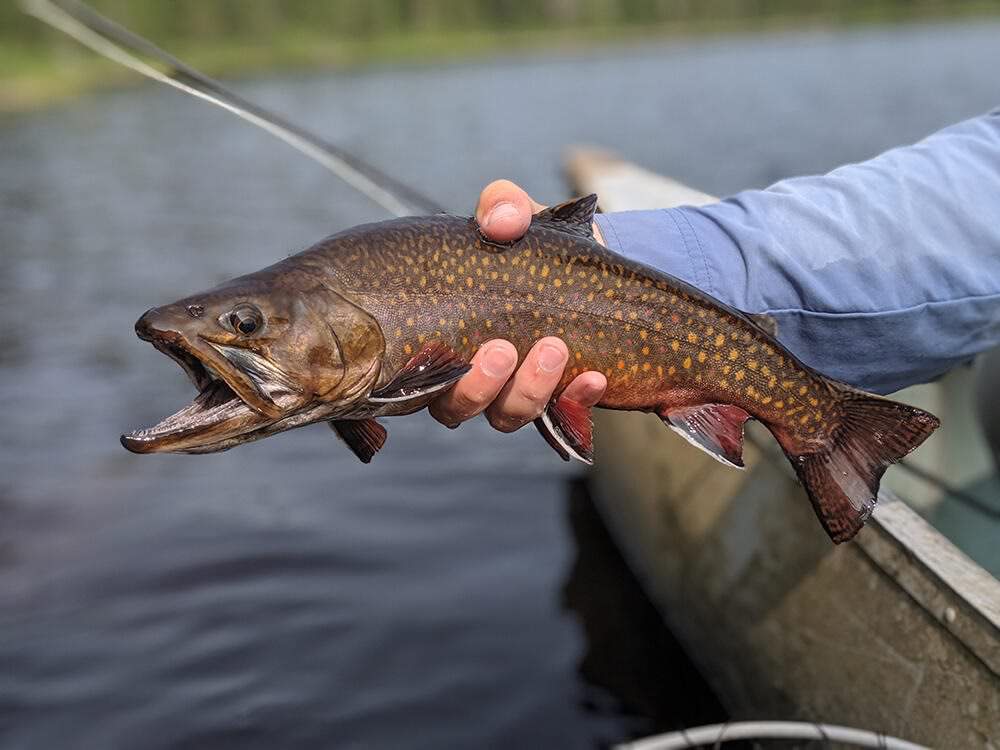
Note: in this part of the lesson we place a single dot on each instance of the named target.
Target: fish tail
(842, 480)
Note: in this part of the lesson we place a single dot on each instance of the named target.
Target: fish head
(266, 352)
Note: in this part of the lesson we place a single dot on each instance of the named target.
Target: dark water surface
(454, 593)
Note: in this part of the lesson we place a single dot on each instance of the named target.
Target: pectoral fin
(715, 428)
(567, 426)
(432, 369)
(365, 437)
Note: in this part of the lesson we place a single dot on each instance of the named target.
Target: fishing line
(959, 494)
(120, 45)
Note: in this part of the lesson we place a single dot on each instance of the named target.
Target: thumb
(504, 211)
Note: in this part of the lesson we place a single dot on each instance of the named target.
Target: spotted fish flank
(376, 320)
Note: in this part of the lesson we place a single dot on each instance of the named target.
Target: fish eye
(245, 319)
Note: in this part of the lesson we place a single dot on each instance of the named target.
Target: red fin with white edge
(715, 428)
(567, 426)
(432, 369)
(365, 437)
(842, 479)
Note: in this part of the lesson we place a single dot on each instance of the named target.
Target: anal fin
(567, 426)
(715, 428)
(365, 437)
(432, 369)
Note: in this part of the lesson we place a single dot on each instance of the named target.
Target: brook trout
(377, 320)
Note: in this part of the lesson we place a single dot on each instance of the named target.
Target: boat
(897, 631)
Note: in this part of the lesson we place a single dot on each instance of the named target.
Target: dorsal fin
(574, 216)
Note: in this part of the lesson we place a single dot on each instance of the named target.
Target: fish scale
(654, 341)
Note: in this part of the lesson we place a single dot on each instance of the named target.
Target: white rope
(57, 17)
(715, 734)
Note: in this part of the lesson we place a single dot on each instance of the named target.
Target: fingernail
(499, 211)
(499, 361)
(550, 358)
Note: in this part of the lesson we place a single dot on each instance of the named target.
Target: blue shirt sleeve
(881, 274)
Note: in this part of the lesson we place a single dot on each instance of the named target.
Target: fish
(378, 320)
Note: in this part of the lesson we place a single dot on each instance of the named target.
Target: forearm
(882, 274)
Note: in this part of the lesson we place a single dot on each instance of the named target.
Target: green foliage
(208, 19)
(234, 36)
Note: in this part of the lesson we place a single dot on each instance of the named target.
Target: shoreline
(37, 76)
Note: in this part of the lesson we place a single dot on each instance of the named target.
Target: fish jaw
(229, 403)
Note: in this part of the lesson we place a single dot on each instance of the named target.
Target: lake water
(458, 592)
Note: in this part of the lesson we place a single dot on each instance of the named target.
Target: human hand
(504, 213)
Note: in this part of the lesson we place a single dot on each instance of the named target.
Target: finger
(504, 211)
(528, 393)
(586, 389)
(492, 366)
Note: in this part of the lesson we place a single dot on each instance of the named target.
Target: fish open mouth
(216, 414)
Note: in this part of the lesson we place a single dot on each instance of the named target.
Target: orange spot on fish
(687, 363)
(692, 338)
(702, 356)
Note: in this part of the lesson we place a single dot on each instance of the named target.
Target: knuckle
(535, 399)
(459, 408)
(504, 422)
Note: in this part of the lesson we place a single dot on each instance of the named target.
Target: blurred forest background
(232, 37)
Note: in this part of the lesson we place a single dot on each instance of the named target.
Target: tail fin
(842, 481)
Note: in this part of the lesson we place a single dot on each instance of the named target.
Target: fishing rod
(115, 42)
